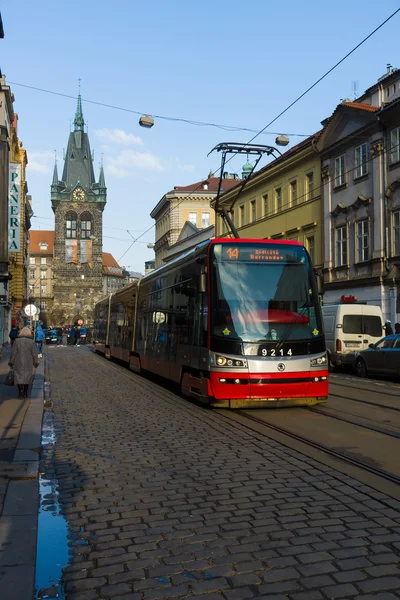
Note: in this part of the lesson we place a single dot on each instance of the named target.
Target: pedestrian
(59, 336)
(39, 338)
(397, 327)
(71, 335)
(388, 327)
(77, 336)
(23, 358)
(13, 334)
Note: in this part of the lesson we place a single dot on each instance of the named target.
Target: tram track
(387, 406)
(319, 411)
(323, 448)
(301, 442)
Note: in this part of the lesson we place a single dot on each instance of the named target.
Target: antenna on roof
(354, 85)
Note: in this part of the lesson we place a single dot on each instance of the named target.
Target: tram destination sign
(261, 253)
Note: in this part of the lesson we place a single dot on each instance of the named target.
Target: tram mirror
(159, 317)
(320, 282)
(202, 283)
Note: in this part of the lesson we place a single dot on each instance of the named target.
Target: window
(31, 288)
(43, 260)
(205, 220)
(396, 230)
(43, 304)
(252, 211)
(395, 145)
(341, 246)
(70, 225)
(309, 186)
(293, 193)
(32, 260)
(358, 324)
(360, 161)
(310, 245)
(193, 218)
(31, 273)
(43, 245)
(387, 92)
(86, 229)
(265, 205)
(362, 241)
(241, 215)
(340, 171)
(43, 274)
(43, 290)
(278, 199)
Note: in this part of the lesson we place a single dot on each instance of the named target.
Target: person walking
(59, 336)
(71, 337)
(39, 338)
(13, 334)
(23, 358)
(77, 336)
(389, 328)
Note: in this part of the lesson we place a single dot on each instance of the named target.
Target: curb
(19, 520)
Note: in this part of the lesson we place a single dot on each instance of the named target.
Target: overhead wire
(232, 128)
(289, 204)
(279, 115)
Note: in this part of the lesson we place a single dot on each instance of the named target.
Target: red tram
(236, 322)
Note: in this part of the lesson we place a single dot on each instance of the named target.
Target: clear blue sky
(235, 63)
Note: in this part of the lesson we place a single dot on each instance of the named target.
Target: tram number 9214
(274, 352)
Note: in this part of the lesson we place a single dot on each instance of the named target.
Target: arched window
(70, 225)
(86, 225)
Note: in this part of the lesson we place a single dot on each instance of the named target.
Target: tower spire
(102, 181)
(55, 172)
(79, 122)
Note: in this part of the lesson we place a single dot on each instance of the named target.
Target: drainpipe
(392, 291)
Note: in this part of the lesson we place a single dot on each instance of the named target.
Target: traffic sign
(30, 310)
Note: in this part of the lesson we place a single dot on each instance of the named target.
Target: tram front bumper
(239, 390)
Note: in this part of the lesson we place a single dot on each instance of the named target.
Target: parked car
(349, 329)
(51, 336)
(382, 358)
(84, 335)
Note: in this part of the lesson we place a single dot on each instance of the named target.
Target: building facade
(114, 276)
(78, 202)
(281, 201)
(6, 118)
(184, 203)
(361, 177)
(20, 223)
(41, 275)
(40, 282)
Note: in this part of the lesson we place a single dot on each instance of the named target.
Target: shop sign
(14, 208)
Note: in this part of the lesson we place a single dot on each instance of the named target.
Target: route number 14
(272, 352)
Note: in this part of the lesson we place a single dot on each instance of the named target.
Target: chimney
(389, 68)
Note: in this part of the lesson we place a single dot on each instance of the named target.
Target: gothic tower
(78, 203)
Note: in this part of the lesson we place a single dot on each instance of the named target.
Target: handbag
(10, 378)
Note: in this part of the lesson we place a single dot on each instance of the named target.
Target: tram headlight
(319, 362)
(223, 361)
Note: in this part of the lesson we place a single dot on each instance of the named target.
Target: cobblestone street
(165, 499)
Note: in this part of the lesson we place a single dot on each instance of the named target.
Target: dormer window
(43, 245)
(205, 186)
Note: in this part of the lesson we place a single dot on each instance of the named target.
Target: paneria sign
(14, 207)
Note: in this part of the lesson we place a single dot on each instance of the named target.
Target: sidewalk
(20, 438)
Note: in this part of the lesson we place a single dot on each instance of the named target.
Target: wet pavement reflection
(52, 545)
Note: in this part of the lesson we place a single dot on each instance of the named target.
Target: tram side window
(183, 317)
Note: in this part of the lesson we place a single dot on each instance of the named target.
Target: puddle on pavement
(52, 544)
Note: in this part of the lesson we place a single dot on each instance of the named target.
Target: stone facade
(78, 202)
(360, 169)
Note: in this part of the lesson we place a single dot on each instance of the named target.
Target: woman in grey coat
(23, 358)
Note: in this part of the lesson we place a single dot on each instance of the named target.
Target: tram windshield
(263, 292)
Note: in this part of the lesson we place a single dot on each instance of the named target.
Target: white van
(350, 328)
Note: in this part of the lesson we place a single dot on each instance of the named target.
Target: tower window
(70, 228)
(86, 229)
